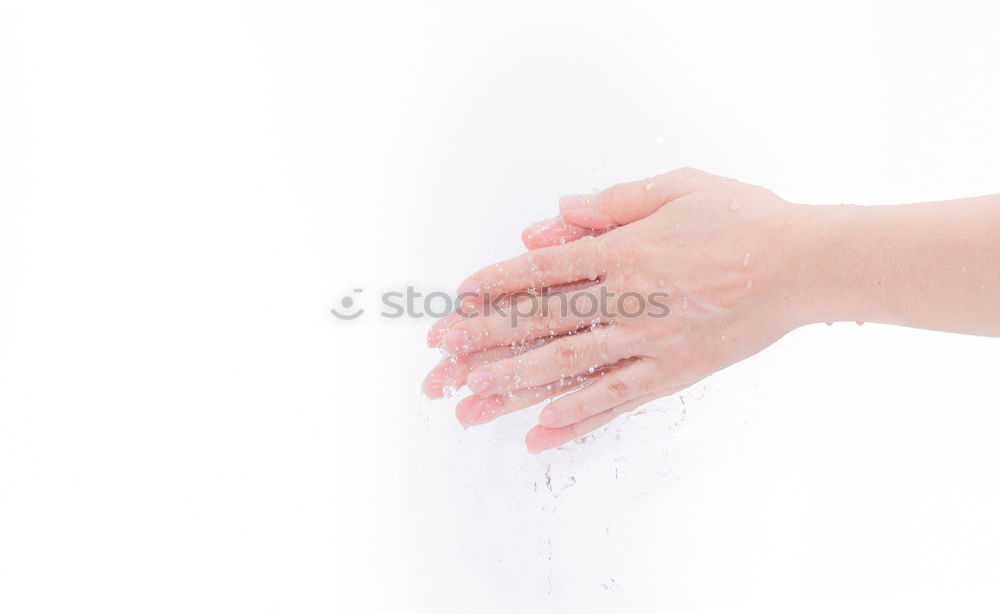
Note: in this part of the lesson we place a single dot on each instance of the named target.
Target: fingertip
(537, 234)
(480, 381)
(539, 439)
(448, 375)
(530, 445)
(432, 386)
(549, 417)
(439, 328)
(553, 231)
(588, 218)
(583, 210)
(572, 202)
(529, 237)
(471, 286)
(475, 409)
(465, 411)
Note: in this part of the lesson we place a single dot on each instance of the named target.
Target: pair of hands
(710, 245)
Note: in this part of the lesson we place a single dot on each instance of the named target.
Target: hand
(707, 242)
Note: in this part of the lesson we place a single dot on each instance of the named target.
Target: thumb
(554, 231)
(628, 202)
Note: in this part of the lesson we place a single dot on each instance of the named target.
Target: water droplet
(735, 204)
(684, 303)
(661, 283)
(746, 259)
(749, 284)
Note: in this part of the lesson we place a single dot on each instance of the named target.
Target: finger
(553, 231)
(450, 374)
(627, 202)
(561, 358)
(468, 306)
(439, 328)
(541, 438)
(534, 270)
(475, 409)
(613, 388)
(446, 377)
(530, 317)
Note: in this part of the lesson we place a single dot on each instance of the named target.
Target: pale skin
(741, 268)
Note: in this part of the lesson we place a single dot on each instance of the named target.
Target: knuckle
(565, 357)
(542, 325)
(489, 277)
(589, 256)
(601, 350)
(477, 329)
(691, 173)
(573, 407)
(505, 375)
(539, 261)
(643, 384)
(696, 176)
(618, 388)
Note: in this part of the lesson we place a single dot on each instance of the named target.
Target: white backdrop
(186, 188)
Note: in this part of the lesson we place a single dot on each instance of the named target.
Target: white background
(186, 188)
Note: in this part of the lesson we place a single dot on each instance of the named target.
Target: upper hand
(687, 274)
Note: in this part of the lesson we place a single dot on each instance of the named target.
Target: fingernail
(549, 417)
(474, 410)
(574, 201)
(470, 286)
(438, 330)
(456, 340)
(480, 381)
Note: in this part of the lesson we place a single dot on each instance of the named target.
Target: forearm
(930, 265)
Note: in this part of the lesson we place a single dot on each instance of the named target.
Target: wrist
(827, 261)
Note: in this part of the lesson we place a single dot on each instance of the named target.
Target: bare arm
(931, 265)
